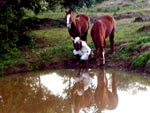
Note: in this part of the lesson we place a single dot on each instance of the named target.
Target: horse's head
(69, 18)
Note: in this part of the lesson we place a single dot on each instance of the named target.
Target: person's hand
(86, 56)
(71, 38)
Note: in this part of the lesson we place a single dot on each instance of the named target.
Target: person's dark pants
(83, 63)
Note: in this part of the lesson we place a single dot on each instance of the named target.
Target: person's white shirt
(84, 52)
(86, 79)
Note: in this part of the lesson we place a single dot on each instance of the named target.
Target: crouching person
(81, 51)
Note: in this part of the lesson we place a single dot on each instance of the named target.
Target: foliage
(52, 4)
(76, 4)
(71, 4)
(12, 29)
(13, 33)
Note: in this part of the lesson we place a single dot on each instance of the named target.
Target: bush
(13, 33)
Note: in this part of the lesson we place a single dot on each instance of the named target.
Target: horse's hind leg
(112, 40)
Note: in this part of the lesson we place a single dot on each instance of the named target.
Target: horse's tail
(112, 35)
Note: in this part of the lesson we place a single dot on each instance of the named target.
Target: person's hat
(76, 39)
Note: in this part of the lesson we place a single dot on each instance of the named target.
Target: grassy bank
(53, 48)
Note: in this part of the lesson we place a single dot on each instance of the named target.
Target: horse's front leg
(84, 36)
(101, 56)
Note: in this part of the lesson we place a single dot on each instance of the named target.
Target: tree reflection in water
(26, 94)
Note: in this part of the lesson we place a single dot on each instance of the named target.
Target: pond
(73, 91)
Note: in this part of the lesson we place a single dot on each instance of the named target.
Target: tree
(71, 4)
(75, 4)
(11, 26)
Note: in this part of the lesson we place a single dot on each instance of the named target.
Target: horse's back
(107, 18)
(83, 20)
(98, 32)
(83, 16)
(108, 21)
(82, 25)
(103, 26)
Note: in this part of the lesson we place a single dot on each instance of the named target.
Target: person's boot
(82, 64)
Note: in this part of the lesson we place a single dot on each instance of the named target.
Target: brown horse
(102, 28)
(77, 25)
(81, 94)
(105, 98)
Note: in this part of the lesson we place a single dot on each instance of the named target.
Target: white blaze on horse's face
(68, 21)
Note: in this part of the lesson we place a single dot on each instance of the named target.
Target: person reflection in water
(81, 94)
(104, 97)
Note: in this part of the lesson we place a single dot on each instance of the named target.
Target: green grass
(57, 42)
(52, 15)
(121, 7)
(141, 60)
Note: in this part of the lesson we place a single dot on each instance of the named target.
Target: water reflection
(55, 83)
(105, 97)
(82, 95)
(65, 91)
(27, 94)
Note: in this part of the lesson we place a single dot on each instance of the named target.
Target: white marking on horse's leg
(68, 18)
(105, 77)
(103, 54)
(72, 109)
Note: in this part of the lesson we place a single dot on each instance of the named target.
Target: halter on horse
(102, 28)
(77, 25)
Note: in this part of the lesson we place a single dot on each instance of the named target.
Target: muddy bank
(72, 64)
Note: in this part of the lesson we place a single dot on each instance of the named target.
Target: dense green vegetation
(43, 46)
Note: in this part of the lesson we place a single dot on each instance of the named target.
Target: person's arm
(86, 47)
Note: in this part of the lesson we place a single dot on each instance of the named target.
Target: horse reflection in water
(104, 97)
(84, 96)
(81, 94)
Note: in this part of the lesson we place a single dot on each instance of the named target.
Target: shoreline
(71, 64)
